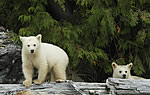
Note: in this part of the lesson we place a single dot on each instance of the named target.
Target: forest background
(94, 33)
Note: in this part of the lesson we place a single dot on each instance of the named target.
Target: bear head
(31, 44)
(121, 71)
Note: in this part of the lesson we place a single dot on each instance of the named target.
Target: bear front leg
(28, 72)
(42, 73)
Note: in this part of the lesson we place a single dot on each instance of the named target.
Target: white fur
(123, 71)
(46, 58)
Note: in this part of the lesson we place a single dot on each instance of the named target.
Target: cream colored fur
(47, 58)
(123, 71)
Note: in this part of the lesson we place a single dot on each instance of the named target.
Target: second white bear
(44, 57)
(123, 71)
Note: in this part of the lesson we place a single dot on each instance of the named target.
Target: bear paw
(60, 80)
(37, 81)
(27, 83)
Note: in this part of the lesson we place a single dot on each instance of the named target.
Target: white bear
(46, 58)
(123, 71)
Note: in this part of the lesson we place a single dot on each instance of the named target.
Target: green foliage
(138, 66)
(84, 2)
(105, 31)
(61, 3)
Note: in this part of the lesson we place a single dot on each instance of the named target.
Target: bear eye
(34, 44)
(120, 71)
(28, 45)
(125, 71)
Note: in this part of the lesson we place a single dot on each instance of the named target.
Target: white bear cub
(47, 58)
(123, 71)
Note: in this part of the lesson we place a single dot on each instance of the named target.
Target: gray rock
(118, 86)
(10, 59)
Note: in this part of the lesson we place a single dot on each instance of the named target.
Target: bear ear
(114, 65)
(21, 38)
(39, 37)
(130, 65)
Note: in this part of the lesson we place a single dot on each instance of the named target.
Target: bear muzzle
(32, 51)
(124, 76)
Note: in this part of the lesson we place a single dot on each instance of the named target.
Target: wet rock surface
(10, 59)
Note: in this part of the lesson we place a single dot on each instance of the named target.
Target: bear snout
(124, 76)
(32, 51)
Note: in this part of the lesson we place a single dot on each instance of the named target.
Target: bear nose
(32, 51)
(124, 76)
